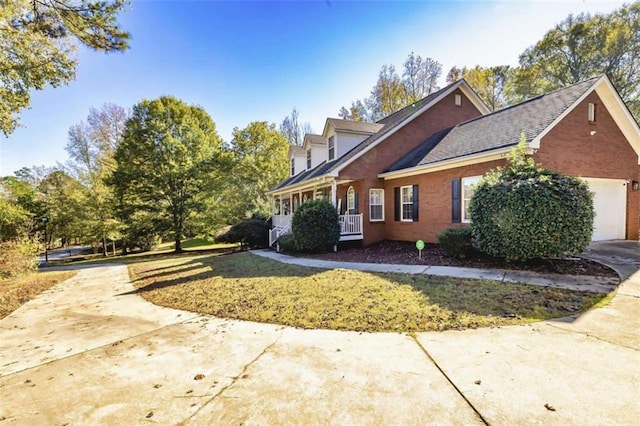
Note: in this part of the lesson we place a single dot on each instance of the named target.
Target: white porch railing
(277, 231)
(350, 227)
(351, 224)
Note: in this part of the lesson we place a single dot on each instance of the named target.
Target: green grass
(15, 292)
(248, 287)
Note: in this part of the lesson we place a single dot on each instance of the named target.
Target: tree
(357, 112)
(490, 83)
(170, 162)
(259, 161)
(454, 74)
(293, 130)
(91, 147)
(36, 46)
(420, 77)
(581, 47)
(65, 201)
(388, 95)
(392, 92)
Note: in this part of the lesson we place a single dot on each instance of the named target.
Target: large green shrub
(524, 211)
(287, 243)
(315, 226)
(456, 242)
(252, 233)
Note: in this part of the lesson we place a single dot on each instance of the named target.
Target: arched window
(351, 200)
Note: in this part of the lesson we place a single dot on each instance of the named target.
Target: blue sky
(247, 61)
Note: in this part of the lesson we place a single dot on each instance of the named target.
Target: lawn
(248, 287)
(15, 292)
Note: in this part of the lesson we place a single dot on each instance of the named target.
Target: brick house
(411, 174)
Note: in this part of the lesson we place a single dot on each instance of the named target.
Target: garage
(610, 204)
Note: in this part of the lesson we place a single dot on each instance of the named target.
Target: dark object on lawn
(250, 233)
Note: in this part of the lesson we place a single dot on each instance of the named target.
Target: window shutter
(355, 201)
(456, 207)
(343, 207)
(415, 203)
(396, 203)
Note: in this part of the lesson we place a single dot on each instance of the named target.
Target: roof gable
(502, 129)
(400, 118)
(311, 139)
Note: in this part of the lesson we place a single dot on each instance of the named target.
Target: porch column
(334, 193)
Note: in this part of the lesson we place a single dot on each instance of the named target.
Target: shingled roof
(315, 139)
(354, 126)
(496, 130)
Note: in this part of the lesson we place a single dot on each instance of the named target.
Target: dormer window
(309, 159)
(293, 167)
(457, 99)
(592, 113)
(332, 148)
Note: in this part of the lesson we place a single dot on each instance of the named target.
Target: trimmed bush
(523, 211)
(315, 226)
(252, 233)
(287, 243)
(456, 242)
(19, 257)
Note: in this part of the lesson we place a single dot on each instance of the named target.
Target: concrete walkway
(89, 352)
(572, 282)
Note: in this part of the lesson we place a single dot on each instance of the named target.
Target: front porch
(350, 227)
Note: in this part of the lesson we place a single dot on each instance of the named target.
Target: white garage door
(610, 205)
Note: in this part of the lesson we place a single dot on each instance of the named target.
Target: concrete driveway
(86, 352)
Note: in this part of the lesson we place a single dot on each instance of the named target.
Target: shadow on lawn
(229, 265)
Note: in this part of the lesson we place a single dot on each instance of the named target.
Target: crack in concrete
(593, 336)
(234, 379)
(106, 345)
(457, 389)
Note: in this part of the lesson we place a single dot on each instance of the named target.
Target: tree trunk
(178, 244)
(104, 246)
(113, 246)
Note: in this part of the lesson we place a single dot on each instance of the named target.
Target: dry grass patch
(15, 292)
(249, 287)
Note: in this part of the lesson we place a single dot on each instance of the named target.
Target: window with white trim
(457, 99)
(293, 167)
(468, 187)
(309, 159)
(332, 147)
(351, 200)
(406, 203)
(376, 205)
(592, 113)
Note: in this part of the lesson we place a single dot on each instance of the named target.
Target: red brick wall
(571, 149)
(440, 116)
(434, 195)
